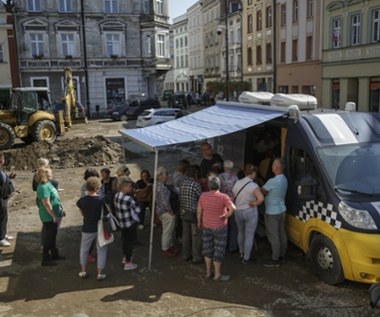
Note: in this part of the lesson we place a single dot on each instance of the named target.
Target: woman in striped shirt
(213, 210)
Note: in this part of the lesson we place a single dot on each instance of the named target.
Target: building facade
(181, 54)
(196, 47)
(298, 47)
(5, 67)
(115, 48)
(351, 54)
(258, 47)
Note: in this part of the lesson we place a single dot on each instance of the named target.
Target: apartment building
(5, 65)
(196, 46)
(351, 54)
(298, 47)
(181, 54)
(115, 48)
(258, 47)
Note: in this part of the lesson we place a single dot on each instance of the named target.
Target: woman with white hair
(227, 182)
(165, 213)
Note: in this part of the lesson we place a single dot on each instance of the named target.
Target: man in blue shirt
(275, 213)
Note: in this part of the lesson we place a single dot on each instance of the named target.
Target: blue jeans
(246, 221)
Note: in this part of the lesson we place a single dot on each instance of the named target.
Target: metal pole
(274, 48)
(226, 58)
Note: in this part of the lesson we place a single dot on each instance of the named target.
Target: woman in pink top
(213, 210)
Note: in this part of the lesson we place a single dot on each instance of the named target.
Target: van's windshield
(353, 168)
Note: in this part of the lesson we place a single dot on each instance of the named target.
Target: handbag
(189, 216)
(105, 237)
(110, 222)
(144, 194)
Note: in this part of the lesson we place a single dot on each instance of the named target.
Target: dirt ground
(172, 287)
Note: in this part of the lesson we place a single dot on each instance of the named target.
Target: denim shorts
(214, 242)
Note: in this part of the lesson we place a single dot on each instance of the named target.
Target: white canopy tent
(220, 119)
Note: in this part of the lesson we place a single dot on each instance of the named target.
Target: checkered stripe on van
(321, 211)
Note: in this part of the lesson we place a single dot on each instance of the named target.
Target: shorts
(214, 243)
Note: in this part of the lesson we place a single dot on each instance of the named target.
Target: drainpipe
(85, 59)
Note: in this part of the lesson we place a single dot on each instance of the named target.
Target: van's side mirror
(307, 188)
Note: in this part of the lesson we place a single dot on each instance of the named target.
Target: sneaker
(130, 266)
(8, 237)
(140, 227)
(244, 261)
(272, 263)
(48, 263)
(5, 243)
(58, 257)
(169, 253)
(101, 277)
(82, 274)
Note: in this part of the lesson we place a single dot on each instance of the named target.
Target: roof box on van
(304, 102)
(257, 97)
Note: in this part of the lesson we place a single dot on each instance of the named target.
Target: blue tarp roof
(220, 119)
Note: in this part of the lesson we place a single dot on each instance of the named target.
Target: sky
(178, 7)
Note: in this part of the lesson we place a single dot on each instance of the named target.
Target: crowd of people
(207, 210)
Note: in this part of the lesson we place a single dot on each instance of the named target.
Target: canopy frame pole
(153, 211)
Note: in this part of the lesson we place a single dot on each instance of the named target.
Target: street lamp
(219, 31)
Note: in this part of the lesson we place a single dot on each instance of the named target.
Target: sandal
(101, 277)
(222, 278)
(83, 274)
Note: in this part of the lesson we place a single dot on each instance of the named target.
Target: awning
(218, 120)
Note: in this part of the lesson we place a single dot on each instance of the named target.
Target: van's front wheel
(325, 260)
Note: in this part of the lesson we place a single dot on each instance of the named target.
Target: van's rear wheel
(7, 136)
(325, 260)
(45, 130)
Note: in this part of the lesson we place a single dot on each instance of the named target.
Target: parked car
(118, 112)
(137, 107)
(178, 100)
(156, 116)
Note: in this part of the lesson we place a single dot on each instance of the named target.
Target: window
(37, 44)
(259, 59)
(310, 8)
(68, 44)
(336, 33)
(161, 45)
(113, 44)
(374, 94)
(376, 26)
(249, 56)
(148, 45)
(146, 6)
(295, 50)
(269, 53)
(295, 11)
(250, 24)
(268, 17)
(283, 14)
(335, 93)
(283, 52)
(159, 7)
(110, 6)
(65, 6)
(355, 29)
(309, 47)
(1, 54)
(34, 5)
(259, 22)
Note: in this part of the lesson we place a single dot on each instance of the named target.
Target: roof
(221, 119)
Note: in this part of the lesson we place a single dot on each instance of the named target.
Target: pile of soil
(68, 153)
